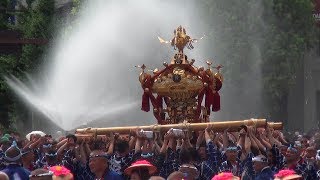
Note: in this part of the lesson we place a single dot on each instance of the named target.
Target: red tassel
(218, 84)
(159, 102)
(166, 100)
(209, 99)
(216, 102)
(145, 106)
(158, 117)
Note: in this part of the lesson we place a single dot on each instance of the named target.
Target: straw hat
(42, 134)
(287, 174)
(141, 164)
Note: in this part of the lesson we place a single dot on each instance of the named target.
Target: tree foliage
(291, 35)
(35, 21)
(259, 42)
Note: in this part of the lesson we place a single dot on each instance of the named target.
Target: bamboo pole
(216, 126)
(92, 137)
(275, 125)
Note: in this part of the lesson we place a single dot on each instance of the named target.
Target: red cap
(225, 176)
(286, 174)
(139, 164)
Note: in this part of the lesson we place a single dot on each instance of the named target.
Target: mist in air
(91, 79)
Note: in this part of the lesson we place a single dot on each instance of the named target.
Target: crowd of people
(249, 154)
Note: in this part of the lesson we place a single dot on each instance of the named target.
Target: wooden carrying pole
(216, 127)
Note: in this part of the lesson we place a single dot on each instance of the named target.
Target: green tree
(35, 21)
(291, 35)
(261, 44)
(7, 63)
(3, 15)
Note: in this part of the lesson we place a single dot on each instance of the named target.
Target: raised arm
(61, 143)
(139, 142)
(242, 137)
(247, 145)
(225, 139)
(164, 147)
(87, 148)
(172, 142)
(156, 146)
(37, 143)
(62, 148)
(271, 138)
(83, 156)
(212, 150)
(185, 140)
(216, 140)
(199, 139)
(254, 145)
(111, 144)
(132, 142)
(263, 141)
(261, 147)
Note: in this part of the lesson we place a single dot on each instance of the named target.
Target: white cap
(42, 134)
(318, 155)
(259, 158)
